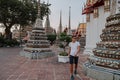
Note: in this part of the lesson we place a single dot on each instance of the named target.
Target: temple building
(96, 12)
(22, 33)
(82, 29)
(81, 33)
(15, 33)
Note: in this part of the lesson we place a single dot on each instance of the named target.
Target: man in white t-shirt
(74, 49)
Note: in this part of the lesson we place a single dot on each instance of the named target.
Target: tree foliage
(65, 37)
(51, 38)
(22, 12)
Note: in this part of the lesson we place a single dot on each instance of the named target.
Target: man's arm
(69, 50)
(78, 50)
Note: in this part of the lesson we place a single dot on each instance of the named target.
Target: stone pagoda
(104, 64)
(37, 46)
(48, 28)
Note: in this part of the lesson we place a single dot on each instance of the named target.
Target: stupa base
(101, 73)
(36, 55)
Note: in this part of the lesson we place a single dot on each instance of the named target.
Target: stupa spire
(38, 22)
(38, 9)
(69, 25)
(47, 23)
(60, 25)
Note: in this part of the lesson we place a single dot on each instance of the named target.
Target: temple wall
(94, 29)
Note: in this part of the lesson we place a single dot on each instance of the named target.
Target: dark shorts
(73, 60)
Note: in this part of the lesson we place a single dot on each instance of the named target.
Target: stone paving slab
(15, 67)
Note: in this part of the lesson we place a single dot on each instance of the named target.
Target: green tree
(51, 38)
(22, 12)
(65, 39)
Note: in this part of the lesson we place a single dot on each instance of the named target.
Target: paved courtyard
(15, 67)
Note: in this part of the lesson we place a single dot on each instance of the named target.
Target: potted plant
(63, 57)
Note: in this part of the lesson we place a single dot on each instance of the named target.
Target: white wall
(94, 29)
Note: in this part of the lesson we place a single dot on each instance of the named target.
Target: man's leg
(71, 68)
(76, 64)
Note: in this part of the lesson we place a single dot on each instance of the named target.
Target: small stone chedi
(37, 46)
(105, 60)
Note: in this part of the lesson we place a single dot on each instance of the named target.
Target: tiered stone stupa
(104, 64)
(37, 46)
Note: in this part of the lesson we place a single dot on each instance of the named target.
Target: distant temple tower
(60, 25)
(69, 24)
(48, 28)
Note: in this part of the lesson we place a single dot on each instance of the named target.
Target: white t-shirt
(73, 47)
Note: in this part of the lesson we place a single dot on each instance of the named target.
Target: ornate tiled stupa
(37, 46)
(104, 64)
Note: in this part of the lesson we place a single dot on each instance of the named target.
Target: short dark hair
(73, 36)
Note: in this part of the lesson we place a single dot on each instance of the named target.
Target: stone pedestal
(100, 73)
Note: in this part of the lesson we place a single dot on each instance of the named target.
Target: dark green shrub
(11, 43)
(65, 37)
(63, 54)
(51, 38)
(61, 45)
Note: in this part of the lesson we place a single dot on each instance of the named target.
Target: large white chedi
(95, 26)
(104, 64)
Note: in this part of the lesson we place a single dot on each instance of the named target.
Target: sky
(63, 5)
